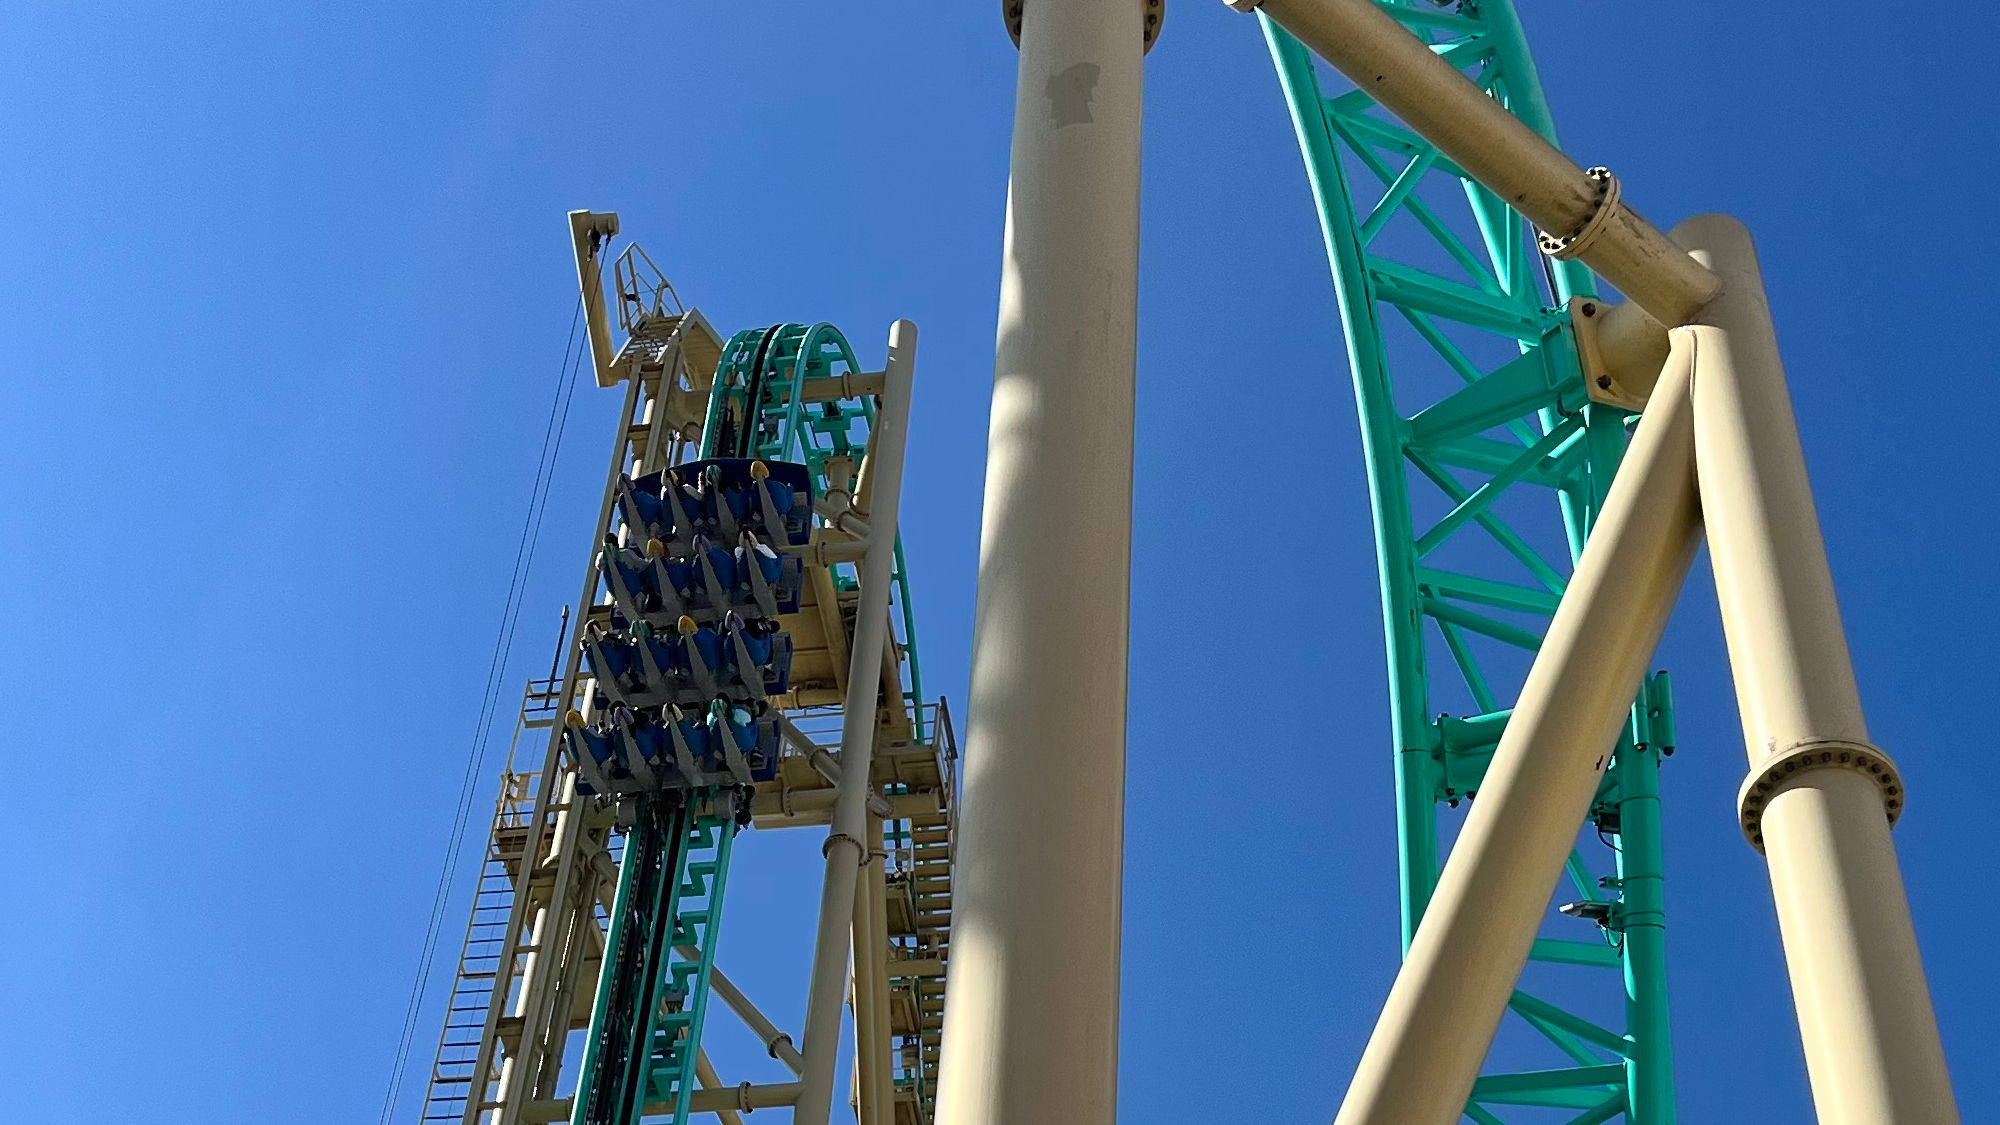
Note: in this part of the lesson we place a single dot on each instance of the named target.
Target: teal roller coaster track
(1487, 462)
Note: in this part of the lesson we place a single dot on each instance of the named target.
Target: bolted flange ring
(1767, 780)
(1575, 242)
(1156, 14)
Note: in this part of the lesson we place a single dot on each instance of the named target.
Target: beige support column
(871, 1031)
(1493, 895)
(846, 849)
(874, 890)
(1031, 1015)
(1820, 798)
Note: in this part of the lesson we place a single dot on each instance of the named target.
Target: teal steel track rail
(773, 364)
(1474, 416)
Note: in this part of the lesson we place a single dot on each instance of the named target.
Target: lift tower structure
(746, 658)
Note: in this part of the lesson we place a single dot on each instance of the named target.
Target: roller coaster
(1556, 401)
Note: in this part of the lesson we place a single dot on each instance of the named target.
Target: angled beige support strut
(1581, 213)
(1820, 797)
(1468, 952)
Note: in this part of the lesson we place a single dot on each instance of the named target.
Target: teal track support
(695, 915)
(1487, 463)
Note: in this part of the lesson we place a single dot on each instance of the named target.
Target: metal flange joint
(1782, 770)
(1156, 14)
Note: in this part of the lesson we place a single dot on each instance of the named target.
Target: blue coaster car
(647, 752)
(772, 498)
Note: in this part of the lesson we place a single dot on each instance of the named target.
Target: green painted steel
(1474, 415)
(771, 365)
(660, 942)
(673, 1038)
(617, 1075)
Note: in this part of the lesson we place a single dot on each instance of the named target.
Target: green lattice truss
(1474, 417)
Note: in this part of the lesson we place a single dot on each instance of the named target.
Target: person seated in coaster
(591, 748)
(612, 660)
(754, 727)
(764, 577)
(784, 513)
(701, 653)
(715, 575)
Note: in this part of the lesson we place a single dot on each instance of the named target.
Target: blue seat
(664, 651)
(612, 659)
(677, 575)
(769, 653)
(705, 644)
(718, 563)
(639, 506)
(629, 574)
(644, 750)
(782, 575)
(591, 747)
(756, 738)
(693, 729)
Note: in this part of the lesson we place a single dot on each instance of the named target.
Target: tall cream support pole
(874, 890)
(1820, 797)
(846, 847)
(1031, 1015)
(1469, 950)
(875, 1087)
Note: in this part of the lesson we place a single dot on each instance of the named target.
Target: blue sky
(283, 291)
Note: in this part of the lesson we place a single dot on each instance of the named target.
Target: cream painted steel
(1871, 1040)
(591, 232)
(873, 1063)
(1621, 348)
(1469, 950)
(777, 1044)
(518, 1065)
(865, 974)
(1031, 1018)
(846, 845)
(704, 1074)
(546, 961)
(1581, 209)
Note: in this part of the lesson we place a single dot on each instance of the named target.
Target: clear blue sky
(282, 294)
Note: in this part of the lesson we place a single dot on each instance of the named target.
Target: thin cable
(503, 645)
